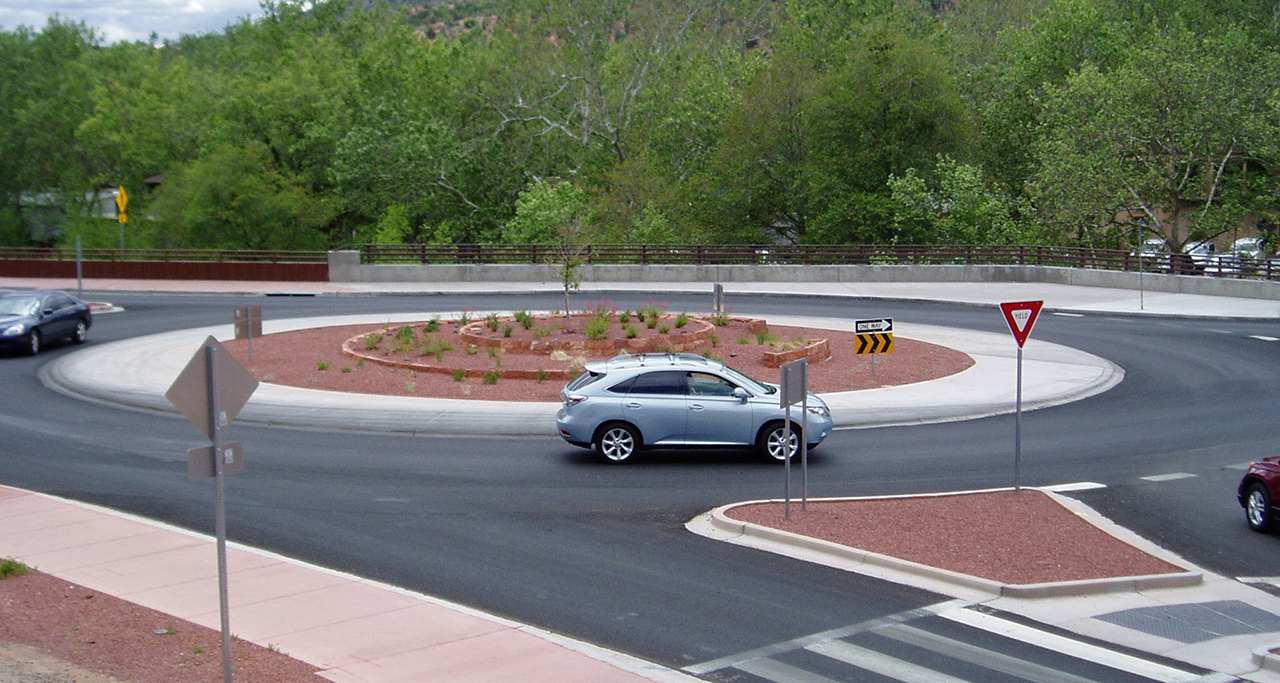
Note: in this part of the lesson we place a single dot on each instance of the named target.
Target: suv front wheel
(770, 441)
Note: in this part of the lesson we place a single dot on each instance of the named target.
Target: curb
(852, 559)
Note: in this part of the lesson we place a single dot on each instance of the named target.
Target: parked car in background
(30, 320)
(631, 402)
(1258, 492)
(1248, 247)
(1154, 254)
(1203, 258)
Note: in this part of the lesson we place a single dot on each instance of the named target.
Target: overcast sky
(117, 20)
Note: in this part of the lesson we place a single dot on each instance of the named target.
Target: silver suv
(627, 403)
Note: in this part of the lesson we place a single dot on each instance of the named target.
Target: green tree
(961, 207)
(1182, 139)
(234, 198)
(44, 97)
(395, 157)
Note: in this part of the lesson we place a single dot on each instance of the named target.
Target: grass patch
(11, 567)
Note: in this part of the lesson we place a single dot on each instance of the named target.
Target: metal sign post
(210, 391)
(1021, 317)
(795, 388)
(248, 324)
(79, 267)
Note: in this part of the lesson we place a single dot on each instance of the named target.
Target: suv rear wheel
(617, 442)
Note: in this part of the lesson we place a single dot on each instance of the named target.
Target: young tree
(553, 212)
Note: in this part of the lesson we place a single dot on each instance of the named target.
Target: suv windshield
(746, 382)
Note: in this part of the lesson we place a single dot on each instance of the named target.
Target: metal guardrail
(819, 254)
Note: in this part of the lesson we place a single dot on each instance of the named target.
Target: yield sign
(1021, 316)
(190, 391)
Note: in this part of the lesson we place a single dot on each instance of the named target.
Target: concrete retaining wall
(345, 266)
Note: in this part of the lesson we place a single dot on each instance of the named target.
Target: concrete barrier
(345, 266)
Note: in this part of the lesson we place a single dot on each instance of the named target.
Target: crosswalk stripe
(833, 634)
(973, 654)
(778, 672)
(1172, 476)
(884, 665)
(1068, 646)
(1075, 486)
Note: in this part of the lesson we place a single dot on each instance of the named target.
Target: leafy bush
(598, 327)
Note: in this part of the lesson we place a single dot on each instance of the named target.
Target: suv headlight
(819, 411)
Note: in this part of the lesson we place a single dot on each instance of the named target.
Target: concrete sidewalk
(354, 630)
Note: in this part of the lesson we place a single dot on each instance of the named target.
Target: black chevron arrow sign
(877, 342)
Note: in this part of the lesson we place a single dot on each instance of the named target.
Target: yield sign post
(210, 392)
(1021, 316)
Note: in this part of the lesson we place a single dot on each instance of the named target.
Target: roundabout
(135, 373)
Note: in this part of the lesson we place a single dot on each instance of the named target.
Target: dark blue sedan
(29, 320)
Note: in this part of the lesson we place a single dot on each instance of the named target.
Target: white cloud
(130, 20)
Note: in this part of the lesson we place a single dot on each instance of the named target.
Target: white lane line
(1075, 486)
(1069, 315)
(1068, 646)
(1172, 476)
(1263, 337)
(882, 664)
(1239, 466)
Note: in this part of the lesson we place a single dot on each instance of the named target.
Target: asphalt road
(538, 531)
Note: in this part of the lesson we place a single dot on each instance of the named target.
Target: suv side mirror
(741, 394)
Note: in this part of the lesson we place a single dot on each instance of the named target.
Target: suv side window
(661, 383)
(706, 384)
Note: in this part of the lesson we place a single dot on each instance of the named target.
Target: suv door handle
(695, 406)
(633, 405)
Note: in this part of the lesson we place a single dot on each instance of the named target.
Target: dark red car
(1258, 493)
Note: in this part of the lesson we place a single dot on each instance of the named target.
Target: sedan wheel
(772, 438)
(81, 333)
(35, 343)
(1257, 508)
(617, 443)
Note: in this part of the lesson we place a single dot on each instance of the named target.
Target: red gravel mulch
(1013, 538)
(110, 636)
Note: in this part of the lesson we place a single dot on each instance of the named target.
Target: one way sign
(881, 325)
